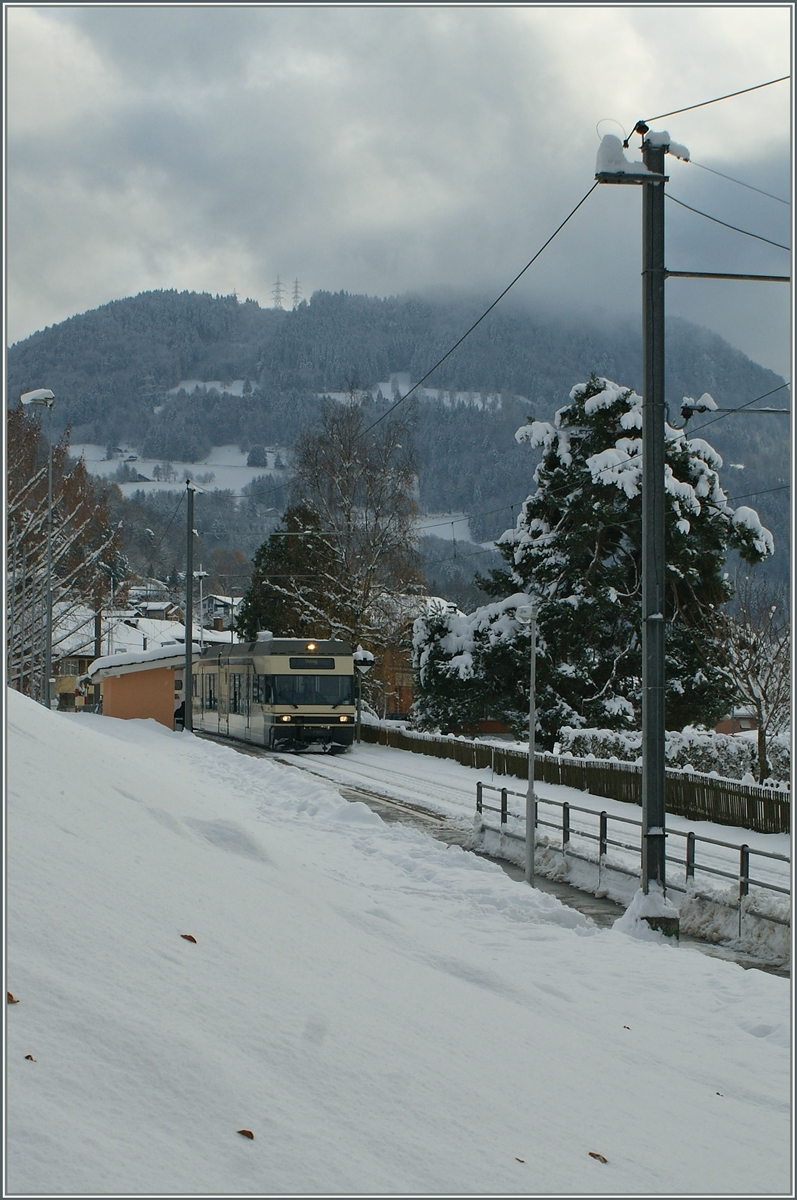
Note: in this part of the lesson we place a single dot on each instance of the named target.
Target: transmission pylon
(297, 293)
(278, 293)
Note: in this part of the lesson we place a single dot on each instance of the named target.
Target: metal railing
(692, 795)
(511, 821)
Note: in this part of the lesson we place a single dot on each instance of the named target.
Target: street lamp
(363, 661)
(44, 398)
(527, 615)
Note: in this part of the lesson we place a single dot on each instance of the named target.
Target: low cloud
(383, 150)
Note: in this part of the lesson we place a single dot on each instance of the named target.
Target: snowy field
(384, 1014)
(226, 465)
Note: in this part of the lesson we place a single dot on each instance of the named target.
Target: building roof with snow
(137, 660)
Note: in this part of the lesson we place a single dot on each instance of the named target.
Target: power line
(731, 179)
(168, 527)
(764, 492)
(736, 228)
(716, 99)
(448, 353)
(741, 406)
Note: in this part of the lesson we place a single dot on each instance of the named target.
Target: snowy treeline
(702, 750)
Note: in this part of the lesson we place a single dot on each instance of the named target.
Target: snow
(123, 632)
(226, 465)
(447, 787)
(663, 139)
(192, 386)
(385, 1014)
(748, 519)
(494, 623)
(610, 158)
(448, 526)
(654, 904)
(401, 382)
(167, 656)
(706, 403)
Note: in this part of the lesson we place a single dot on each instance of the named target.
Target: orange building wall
(141, 694)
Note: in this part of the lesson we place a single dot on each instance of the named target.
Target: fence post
(503, 805)
(690, 855)
(479, 796)
(565, 825)
(604, 834)
(744, 878)
(744, 870)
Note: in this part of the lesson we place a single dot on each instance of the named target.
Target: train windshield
(312, 689)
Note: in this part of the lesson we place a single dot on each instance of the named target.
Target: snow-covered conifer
(576, 547)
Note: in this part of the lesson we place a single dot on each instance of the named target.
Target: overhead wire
(486, 313)
(716, 100)
(747, 404)
(740, 182)
(168, 527)
(746, 232)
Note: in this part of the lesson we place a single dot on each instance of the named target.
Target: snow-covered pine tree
(576, 548)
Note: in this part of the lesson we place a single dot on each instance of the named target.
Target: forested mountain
(111, 370)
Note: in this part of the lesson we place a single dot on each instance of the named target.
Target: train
(289, 694)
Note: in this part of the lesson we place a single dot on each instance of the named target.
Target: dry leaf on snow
(247, 1133)
(12, 998)
(600, 1158)
(189, 937)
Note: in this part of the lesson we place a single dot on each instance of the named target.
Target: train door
(248, 705)
(224, 701)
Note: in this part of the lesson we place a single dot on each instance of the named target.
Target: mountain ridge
(112, 368)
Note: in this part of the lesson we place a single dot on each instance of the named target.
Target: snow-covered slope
(384, 1014)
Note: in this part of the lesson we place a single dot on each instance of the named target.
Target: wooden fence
(697, 797)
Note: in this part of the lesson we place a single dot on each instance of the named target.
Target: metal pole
(11, 618)
(188, 719)
(97, 641)
(653, 591)
(359, 704)
(23, 631)
(531, 799)
(201, 610)
(48, 650)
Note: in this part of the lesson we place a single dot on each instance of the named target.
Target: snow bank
(692, 749)
(386, 1015)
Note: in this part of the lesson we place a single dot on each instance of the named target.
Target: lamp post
(188, 692)
(45, 398)
(363, 661)
(527, 615)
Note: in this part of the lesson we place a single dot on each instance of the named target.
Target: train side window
(211, 692)
(261, 689)
(239, 693)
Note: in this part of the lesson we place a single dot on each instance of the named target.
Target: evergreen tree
(576, 548)
(287, 590)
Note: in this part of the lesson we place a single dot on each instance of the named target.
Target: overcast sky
(386, 149)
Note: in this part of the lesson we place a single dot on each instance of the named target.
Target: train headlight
(312, 646)
(285, 717)
(344, 718)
